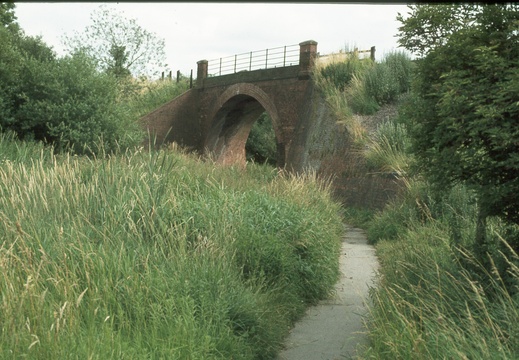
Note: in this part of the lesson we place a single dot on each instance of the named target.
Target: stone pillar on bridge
(307, 58)
(201, 73)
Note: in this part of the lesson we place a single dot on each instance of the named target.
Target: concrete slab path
(334, 328)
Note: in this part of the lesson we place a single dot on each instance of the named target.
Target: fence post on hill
(307, 58)
(191, 80)
(178, 76)
(201, 73)
(372, 53)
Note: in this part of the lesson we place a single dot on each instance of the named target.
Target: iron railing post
(250, 61)
(266, 59)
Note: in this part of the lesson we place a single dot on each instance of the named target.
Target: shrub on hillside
(65, 102)
(390, 78)
(340, 74)
(361, 86)
(71, 105)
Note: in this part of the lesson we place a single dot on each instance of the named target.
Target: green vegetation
(119, 45)
(443, 293)
(435, 299)
(261, 146)
(466, 105)
(436, 296)
(156, 255)
(360, 86)
(132, 253)
(69, 102)
(135, 253)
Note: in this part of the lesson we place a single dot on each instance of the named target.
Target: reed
(157, 255)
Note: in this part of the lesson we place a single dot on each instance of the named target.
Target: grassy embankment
(156, 255)
(434, 299)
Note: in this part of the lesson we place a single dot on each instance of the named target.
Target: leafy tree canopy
(66, 102)
(7, 16)
(465, 118)
(119, 45)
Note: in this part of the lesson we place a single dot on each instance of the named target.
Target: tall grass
(434, 300)
(388, 148)
(157, 255)
(352, 86)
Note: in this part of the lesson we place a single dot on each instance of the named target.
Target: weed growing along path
(334, 328)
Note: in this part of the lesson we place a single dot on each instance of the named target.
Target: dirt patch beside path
(334, 329)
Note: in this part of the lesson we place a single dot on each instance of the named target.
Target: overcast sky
(198, 31)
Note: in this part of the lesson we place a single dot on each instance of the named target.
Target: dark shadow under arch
(234, 115)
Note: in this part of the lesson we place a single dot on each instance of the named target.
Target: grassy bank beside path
(150, 255)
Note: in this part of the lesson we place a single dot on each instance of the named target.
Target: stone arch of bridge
(232, 118)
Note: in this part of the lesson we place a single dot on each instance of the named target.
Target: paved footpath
(334, 328)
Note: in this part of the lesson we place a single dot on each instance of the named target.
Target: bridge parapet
(255, 60)
(280, 58)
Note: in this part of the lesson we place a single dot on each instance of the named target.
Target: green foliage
(119, 45)
(466, 107)
(430, 26)
(389, 79)
(358, 217)
(14, 150)
(67, 102)
(119, 58)
(142, 97)
(156, 255)
(432, 288)
(261, 146)
(388, 149)
(340, 74)
(360, 86)
(7, 16)
(358, 98)
(429, 308)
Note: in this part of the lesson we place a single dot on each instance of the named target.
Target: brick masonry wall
(175, 121)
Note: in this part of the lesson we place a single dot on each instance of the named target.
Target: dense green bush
(72, 106)
(390, 78)
(463, 121)
(64, 102)
(261, 146)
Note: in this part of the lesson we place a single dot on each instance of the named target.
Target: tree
(429, 26)
(7, 16)
(119, 45)
(120, 58)
(65, 102)
(465, 118)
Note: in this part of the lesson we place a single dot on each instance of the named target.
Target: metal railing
(255, 60)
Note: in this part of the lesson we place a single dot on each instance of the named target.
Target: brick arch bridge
(215, 117)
